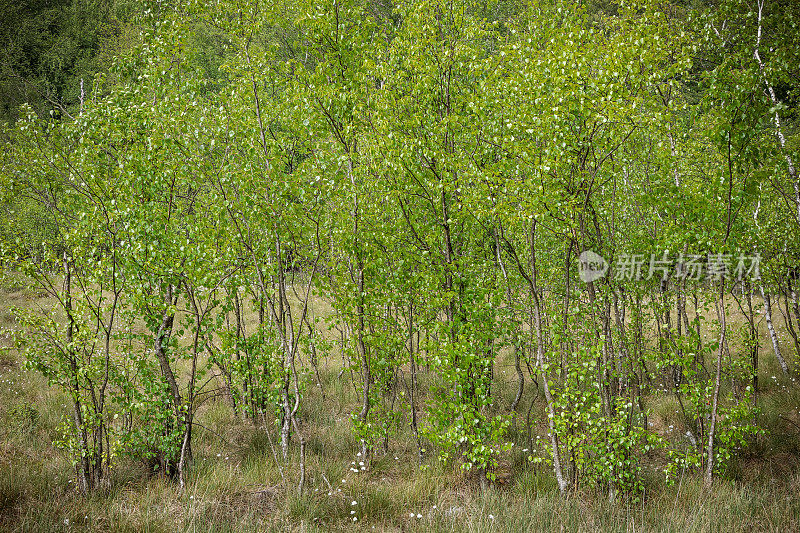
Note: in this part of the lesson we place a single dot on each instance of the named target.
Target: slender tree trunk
(315, 356)
(366, 373)
(186, 450)
(772, 334)
(639, 339)
(795, 305)
(776, 117)
(240, 335)
(284, 324)
(162, 337)
(517, 366)
(563, 485)
(83, 470)
(791, 296)
(566, 348)
(751, 319)
(160, 346)
(622, 352)
(448, 257)
(413, 392)
(709, 473)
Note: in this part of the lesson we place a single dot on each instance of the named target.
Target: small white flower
(419, 516)
(491, 517)
(354, 502)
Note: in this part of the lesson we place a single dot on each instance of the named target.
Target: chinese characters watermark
(692, 267)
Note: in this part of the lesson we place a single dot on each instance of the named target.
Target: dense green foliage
(51, 52)
(433, 171)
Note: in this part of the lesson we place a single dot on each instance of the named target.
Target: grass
(235, 484)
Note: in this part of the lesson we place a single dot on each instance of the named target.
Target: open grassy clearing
(235, 483)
